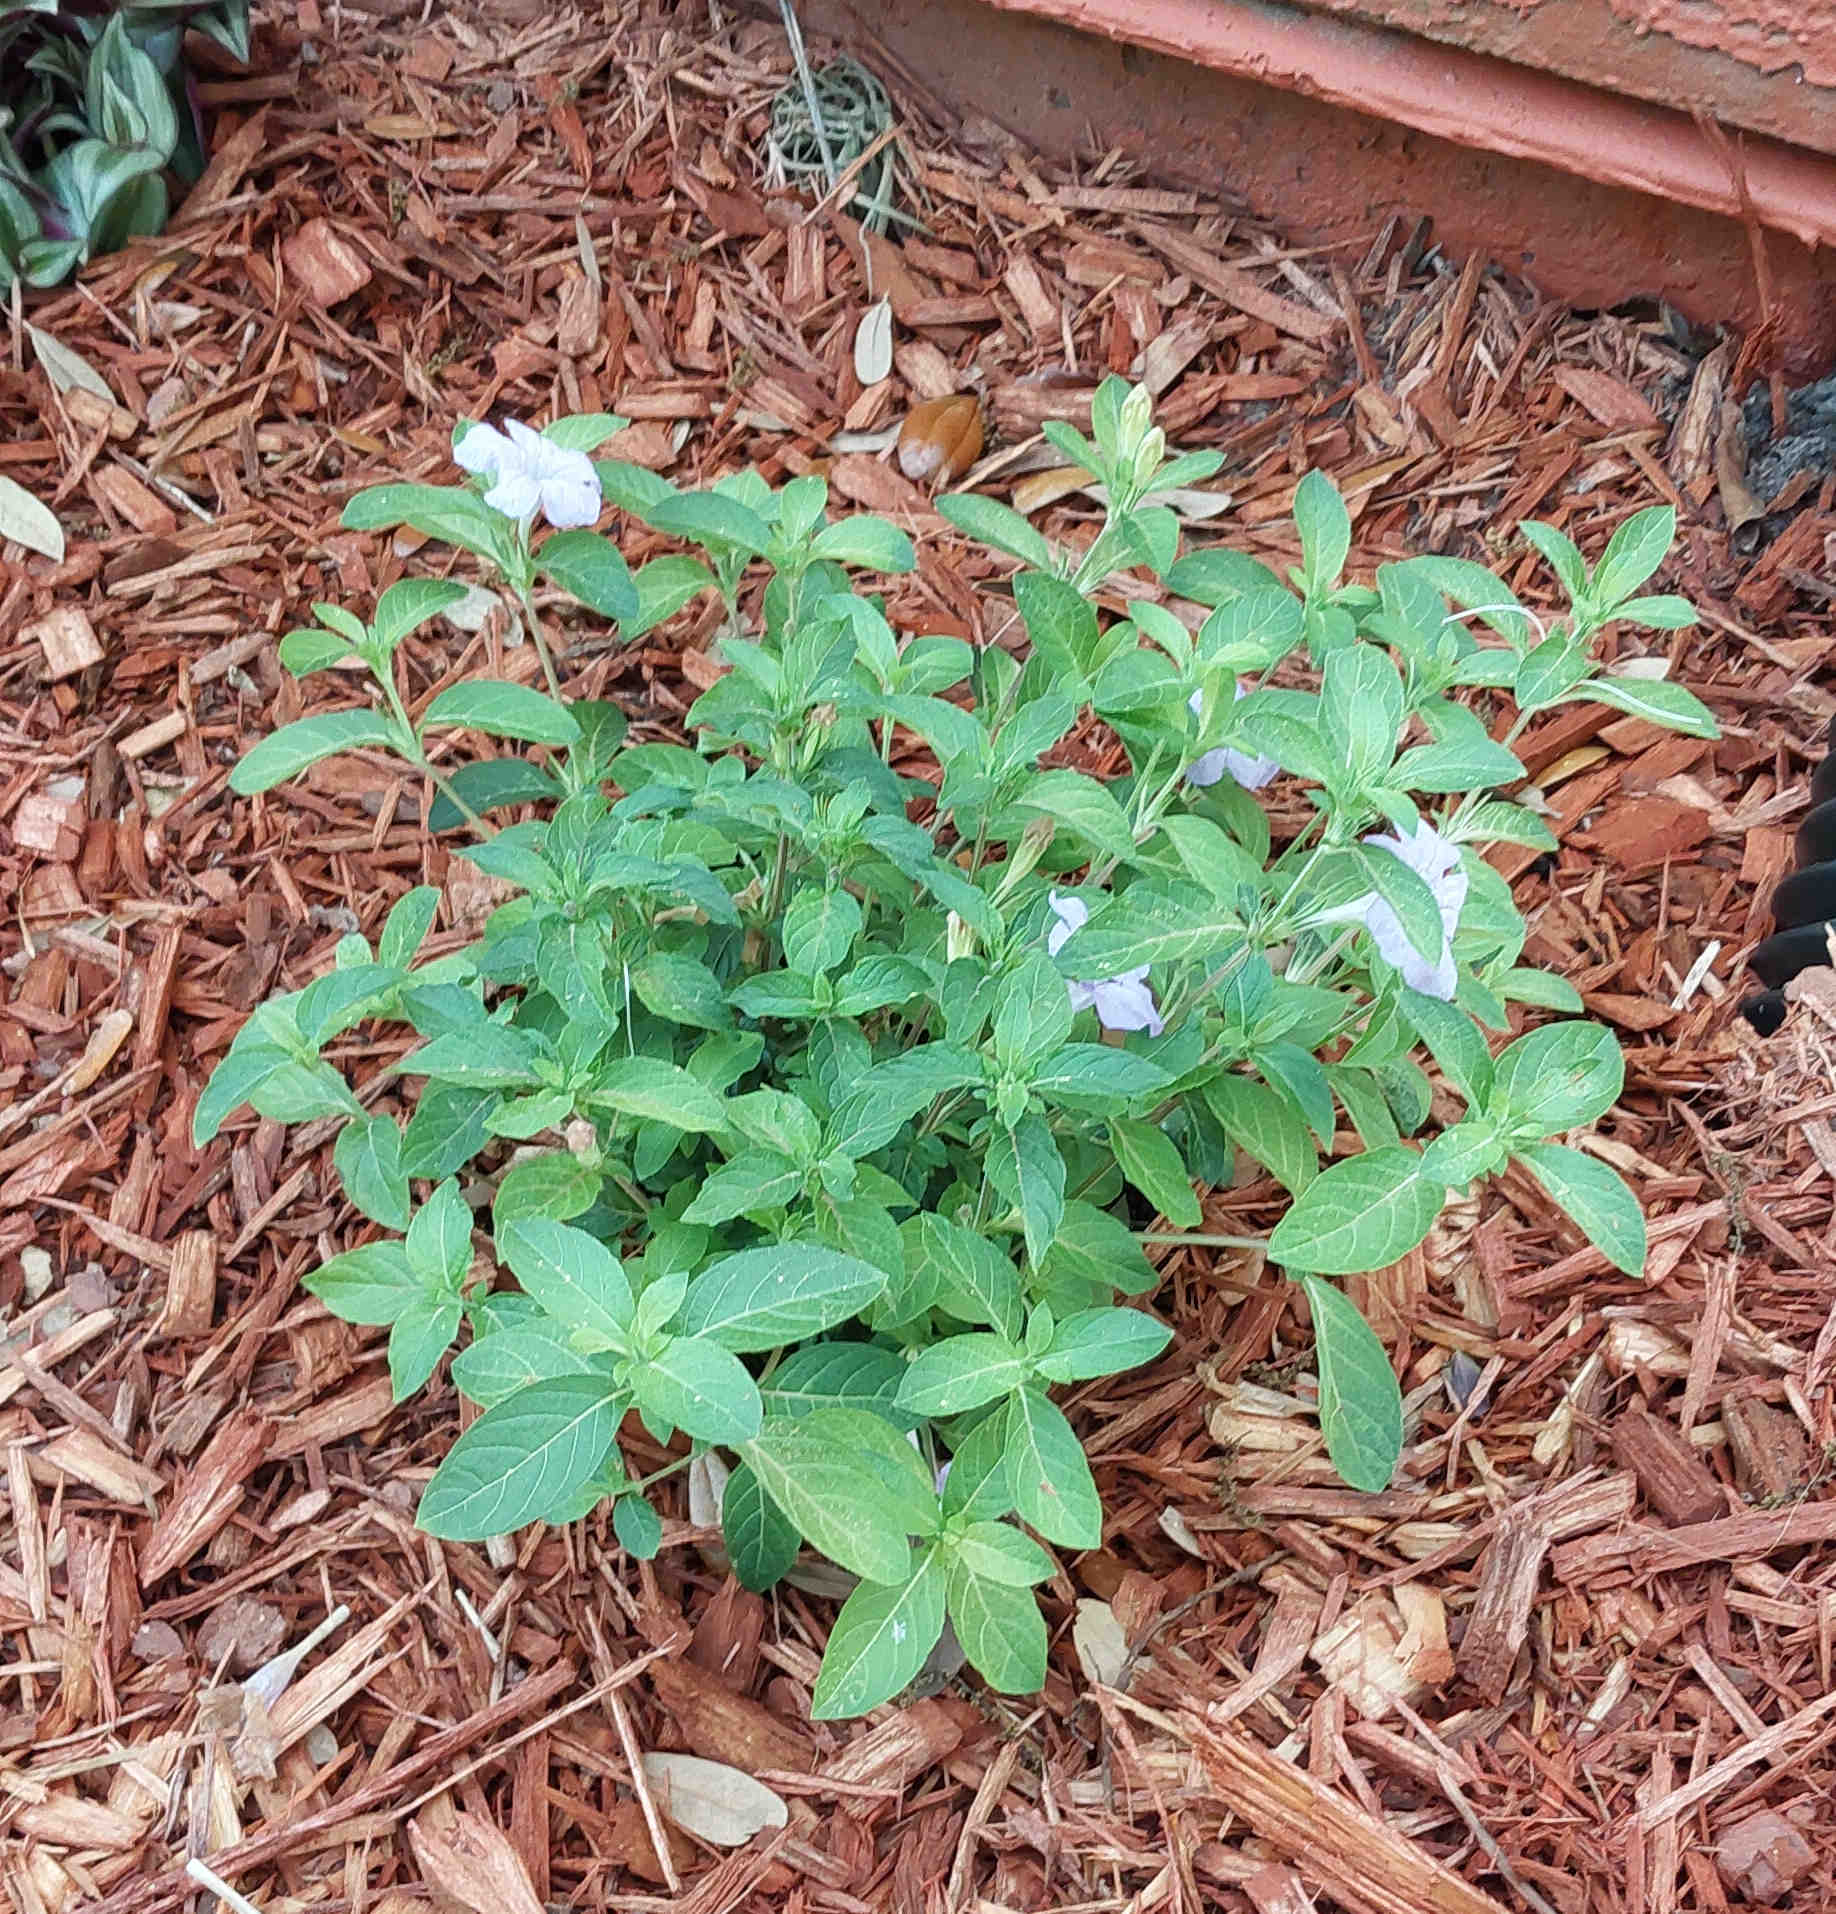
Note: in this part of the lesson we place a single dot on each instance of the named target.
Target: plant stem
(534, 627)
(1200, 1239)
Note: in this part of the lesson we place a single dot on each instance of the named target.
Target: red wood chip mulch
(1578, 1659)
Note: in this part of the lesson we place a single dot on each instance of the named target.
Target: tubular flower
(1121, 1003)
(1207, 769)
(1437, 863)
(530, 473)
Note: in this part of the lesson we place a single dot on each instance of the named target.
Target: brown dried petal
(941, 438)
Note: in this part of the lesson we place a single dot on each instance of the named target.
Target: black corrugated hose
(1803, 906)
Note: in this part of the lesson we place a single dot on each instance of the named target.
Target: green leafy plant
(821, 1110)
(96, 107)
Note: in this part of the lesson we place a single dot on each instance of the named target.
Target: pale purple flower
(530, 473)
(942, 1474)
(1437, 863)
(1210, 766)
(1121, 1003)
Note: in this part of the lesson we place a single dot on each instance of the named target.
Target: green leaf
(587, 566)
(449, 513)
(759, 1298)
(822, 1375)
(989, 522)
(1061, 624)
(1097, 1075)
(1463, 1152)
(1657, 701)
(1361, 711)
(506, 1360)
(555, 1184)
(1083, 807)
(409, 603)
(762, 1542)
(681, 990)
(819, 929)
(1596, 1197)
(1542, 988)
(1051, 1481)
(816, 1469)
(1325, 531)
(879, 1642)
(638, 1527)
(1495, 822)
(976, 1282)
(1147, 927)
(1266, 1127)
(305, 651)
(1563, 554)
(504, 710)
(521, 1459)
(1453, 1041)
(1151, 1162)
(700, 1388)
(663, 587)
(583, 431)
(870, 543)
(759, 1180)
(447, 1130)
(571, 1274)
(299, 1092)
(1633, 553)
(368, 1159)
(371, 1284)
(1297, 1076)
(486, 1056)
(1466, 764)
(1360, 1214)
(488, 785)
(999, 1627)
(961, 1373)
(711, 519)
(405, 929)
(439, 1243)
(1549, 671)
(1360, 1404)
(1666, 612)
(294, 748)
(1408, 895)
(244, 1068)
(999, 1552)
(658, 1092)
(1102, 1342)
(979, 1487)
(422, 1334)
(1027, 1171)
(1556, 1079)
(1033, 1014)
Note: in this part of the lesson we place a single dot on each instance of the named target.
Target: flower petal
(1250, 772)
(483, 449)
(1126, 1003)
(572, 498)
(516, 493)
(1072, 914)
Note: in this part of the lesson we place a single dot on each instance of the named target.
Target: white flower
(1121, 1003)
(1437, 863)
(1207, 769)
(529, 472)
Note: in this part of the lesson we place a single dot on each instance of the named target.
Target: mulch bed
(1579, 1658)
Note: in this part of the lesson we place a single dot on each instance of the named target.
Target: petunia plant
(817, 1092)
